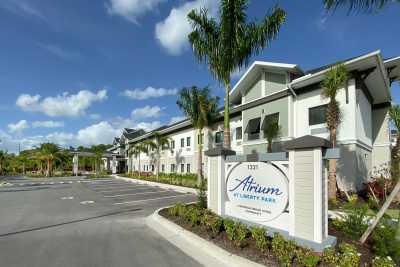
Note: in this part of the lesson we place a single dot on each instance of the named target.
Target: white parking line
(151, 199)
(143, 193)
(102, 185)
(122, 190)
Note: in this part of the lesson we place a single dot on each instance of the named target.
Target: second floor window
(172, 144)
(239, 133)
(253, 129)
(187, 141)
(219, 137)
(317, 115)
(269, 119)
(182, 142)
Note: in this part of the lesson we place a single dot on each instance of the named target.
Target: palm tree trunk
(332, 183)
(158, 165)
(227, 131)
(139, 166)
(200, 158)
(269, 147)
(48, 168)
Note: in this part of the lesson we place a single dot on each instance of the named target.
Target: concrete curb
(181, 189)
(203, 251)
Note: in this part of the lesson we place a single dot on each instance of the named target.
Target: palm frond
(394, 113)
(358, 5)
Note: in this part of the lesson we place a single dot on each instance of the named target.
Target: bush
(383, 262)
(258, 234)
(330, 256)
(216, 225)
(241, 234)
(306, 258)
(230, 230)
(195, 216)
(383, 240)
(177, 210)
(284, 250)
(355, 222)
(348, 256)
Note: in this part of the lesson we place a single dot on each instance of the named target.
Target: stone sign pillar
(308, 189)
(75, 161)
(216, 184)
(114, 165)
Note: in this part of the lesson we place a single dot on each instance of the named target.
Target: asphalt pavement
(72, 221)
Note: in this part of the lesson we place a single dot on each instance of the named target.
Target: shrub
(306, 258)
(216, 225)
(383, 262)
(176, 210)
(284, 250)
(330, 256)
(195, 216)
(348, 256)
(187, 214)
(241, 234)
(202, 196)
(355, 222)
(383, 240)
(229, 226)
(258, 234)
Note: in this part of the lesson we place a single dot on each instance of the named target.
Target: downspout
(294, 124)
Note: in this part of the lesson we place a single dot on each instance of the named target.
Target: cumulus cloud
(66, 104)
(47, 124)
(100, 133)
(146, 112)
(149, 92)
(131, 9)
(18, 127)
(172, 32)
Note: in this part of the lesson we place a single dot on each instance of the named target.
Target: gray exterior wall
(213, 194)
(254, 91)
(274, 82)
(380, 137)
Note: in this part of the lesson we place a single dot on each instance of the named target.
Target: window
(182, 142)
(188, 168)
(162, 168)
(182, 168)
(172, 167)
(317, 115)
(219, 137)
(239, 133)
(172, 144)
(269, 119)
(200, 139)
(152, 168)
(253, 129)
(187, 141)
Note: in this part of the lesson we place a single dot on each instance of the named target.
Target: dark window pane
(317, 115)
(253, 129)
(219, 137)
(238, 133)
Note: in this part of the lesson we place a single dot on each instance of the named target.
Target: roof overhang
(393, 67)
(377, 81)
(255, 70)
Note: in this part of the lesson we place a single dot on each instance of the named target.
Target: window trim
(253, 136)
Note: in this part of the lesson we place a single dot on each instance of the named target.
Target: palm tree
(228, 43)
(394, 113)
(358, 5)
(201, 109)
(157, 145)
(271, 130)
(49, 152)
(98, 151)
(136, 150)
(335, 78)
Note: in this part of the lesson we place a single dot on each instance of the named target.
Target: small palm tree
(335, 78)
(201, 109)
(98, 151)
(358, 5)
(49, 152)
(272, 130)
(136, 150)
(157, 145)
(228, 43)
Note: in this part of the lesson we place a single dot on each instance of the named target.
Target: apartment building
(293, 96)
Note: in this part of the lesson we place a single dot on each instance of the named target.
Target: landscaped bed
(262, 247)
(187, 180)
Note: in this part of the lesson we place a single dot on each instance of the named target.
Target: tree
(271, 130)
(394, 113)
(3, 158)
(157, 145)
(49, 152)
(358, 5)
(335, 79)
(228, 43)
(201, 109)
(136, 150)
(98, 151)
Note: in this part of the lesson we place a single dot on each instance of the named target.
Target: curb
(203, 251)
(177, 188)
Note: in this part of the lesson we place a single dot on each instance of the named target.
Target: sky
(77, 72)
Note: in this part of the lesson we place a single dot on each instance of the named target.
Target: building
(292, 96)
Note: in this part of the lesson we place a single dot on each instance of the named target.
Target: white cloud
(61, 105)
(149, 92)
(131, 9)
(176, 119)
(172, 33)
(18, 127)
(100, 133)
(146, 112)
(47, 124)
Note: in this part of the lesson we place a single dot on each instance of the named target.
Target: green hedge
(187, 180)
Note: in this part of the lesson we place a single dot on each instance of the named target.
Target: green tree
(98, 151)
(49, 152)
(335, 79)
(272, 130)
(394, 113)
(201, 109)
(358, 5)
(135, 151)
(3, 159)
(227, 44)
(157, 144)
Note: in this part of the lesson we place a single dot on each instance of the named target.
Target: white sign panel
(258, 191)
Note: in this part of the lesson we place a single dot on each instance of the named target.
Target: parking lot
(79, 222)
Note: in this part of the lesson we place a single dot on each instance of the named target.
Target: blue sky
(75, 72)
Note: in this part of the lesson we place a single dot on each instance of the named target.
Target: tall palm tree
(98, 151)
(358, 5)
(335, 79)
(157, 144)
(271, 131)
(228, 43)
(136, 150)
(49, 152)
(201, 109)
